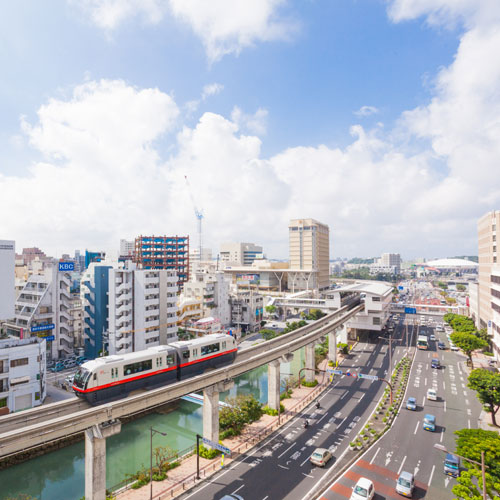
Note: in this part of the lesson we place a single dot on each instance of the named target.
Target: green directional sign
(368, 377)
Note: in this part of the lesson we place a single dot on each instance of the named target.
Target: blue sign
(217, 446)
(41, 328)
(410, 310)
(401, 287)
(66, 266)
(337, 372)
(50, 338)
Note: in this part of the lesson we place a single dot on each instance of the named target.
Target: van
(405, 484)
(452, 465)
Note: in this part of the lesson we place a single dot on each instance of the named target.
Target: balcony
(123, 310)
(125, 296)
(124, 287)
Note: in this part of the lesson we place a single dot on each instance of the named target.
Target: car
(435, 363)
(58, 367)
(320, 457)
(405, 484)
(232, 496)
(429, 423)
(363, 490)
(432, 336)
(441, 345)
(432, 394)
(453, 347)
(81, 359)
(411, 404)
(69, 363)
(452, 465)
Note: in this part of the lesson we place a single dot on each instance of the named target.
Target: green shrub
(159, 476)
(314, 383)
(228, 433)
(208, 453)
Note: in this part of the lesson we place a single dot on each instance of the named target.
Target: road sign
(368, 377)
(338, 372)
(217, 446)
(50, 338)
(41, 328)
(401, 287)
(410, 310)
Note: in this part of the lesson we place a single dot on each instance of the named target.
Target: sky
(380, 118)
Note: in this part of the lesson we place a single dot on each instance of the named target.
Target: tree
(271, 309)
(268, 334)
(162, 455)
(468, 343)
(470, 443)
(461, 288)
(487, 386)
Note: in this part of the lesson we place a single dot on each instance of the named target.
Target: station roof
(451, 263)
(374, 288)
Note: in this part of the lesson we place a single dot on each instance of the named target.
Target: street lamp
(440, 447)
(153, 431)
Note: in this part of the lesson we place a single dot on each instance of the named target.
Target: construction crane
(198, 214)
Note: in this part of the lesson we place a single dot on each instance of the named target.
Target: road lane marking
(416, 427)
(441, 438)
(425, 381)
(342, 421)
(283, 467)
(466, 401)
(344, 395)
(423, 401)
(401, 466)
(373, 458)
(237, 489)
(325, 415)
(432, 473)
(445, 405)
(468, 424)
(308, 475)
(444, 386)
(287, 450)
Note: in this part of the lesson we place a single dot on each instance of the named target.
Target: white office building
(239, 254)
(247, 308)
(22, 374)
(7, 278)
(127, 248)
(142, 308)
(43, 309)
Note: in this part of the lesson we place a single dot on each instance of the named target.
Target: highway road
(279, 467)
(407, 446)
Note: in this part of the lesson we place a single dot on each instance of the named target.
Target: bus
(422, 342)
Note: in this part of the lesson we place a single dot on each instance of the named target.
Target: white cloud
(211, 89)
(109, 14)
(366, 111)
(255, 124)
(224, 26)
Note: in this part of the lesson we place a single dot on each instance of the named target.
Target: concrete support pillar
(310, 363)
(332, 346)
(95, 458)
(343, 335)
(273, 384)
(211, 409)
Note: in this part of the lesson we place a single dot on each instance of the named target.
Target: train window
(185, 354)
(140, 366)
(224, 344)
(170, 359)
(195, 353)
(208, 349)
(95, 376)
(158, 362)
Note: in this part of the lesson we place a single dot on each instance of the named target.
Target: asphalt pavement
(279, 467)
(407, 447)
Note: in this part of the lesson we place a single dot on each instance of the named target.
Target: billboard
(41, 328)
(66, 266)
(248, 279)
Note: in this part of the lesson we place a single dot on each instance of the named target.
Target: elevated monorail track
(35, 427)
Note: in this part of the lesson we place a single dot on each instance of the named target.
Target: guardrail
(34, 435)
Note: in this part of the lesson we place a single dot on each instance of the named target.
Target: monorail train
(113, 377)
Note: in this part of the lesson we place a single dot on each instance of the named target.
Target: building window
(3, 402)
(376, 321)
(18, 362)
(37, 396)
(375, 299)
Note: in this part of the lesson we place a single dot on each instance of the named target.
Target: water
(60, 475)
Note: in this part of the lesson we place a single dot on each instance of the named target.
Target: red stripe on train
(144, 375)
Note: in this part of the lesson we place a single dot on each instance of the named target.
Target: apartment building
(164, 252)
(43, 309)
(494, 323)
(309, 250)
(22, 374)
(487, 252)
(127, 247)
(142, 308)
(7, 279)
(247, 309)
(239, 254)
(94, 288)
(212, 290)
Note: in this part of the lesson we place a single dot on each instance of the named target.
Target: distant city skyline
(380, 119)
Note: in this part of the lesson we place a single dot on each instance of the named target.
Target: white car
(432, 394)
(363, 490)
(453, 347)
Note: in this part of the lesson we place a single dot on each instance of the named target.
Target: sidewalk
(183, 477)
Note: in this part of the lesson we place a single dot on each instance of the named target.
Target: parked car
(429, 423)
(411, 404)
(81, 359)
(69, 363)
(405, 484)
(453, 347)
(320, 457)
(58, 367)
(363, 490)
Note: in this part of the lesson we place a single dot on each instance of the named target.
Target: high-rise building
(93, 257)
(164, 252)
(127, 248)
(142, 308)
(489, 289)
(7, 278)
(391, 260)
(94, 288)
(309, 248)
(239, 254)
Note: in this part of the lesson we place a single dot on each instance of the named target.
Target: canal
(60, 475)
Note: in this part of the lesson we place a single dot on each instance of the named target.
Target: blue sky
(288, 89)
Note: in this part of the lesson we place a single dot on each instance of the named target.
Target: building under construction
(163, 252)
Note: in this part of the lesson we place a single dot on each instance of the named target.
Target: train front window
(81, 378)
